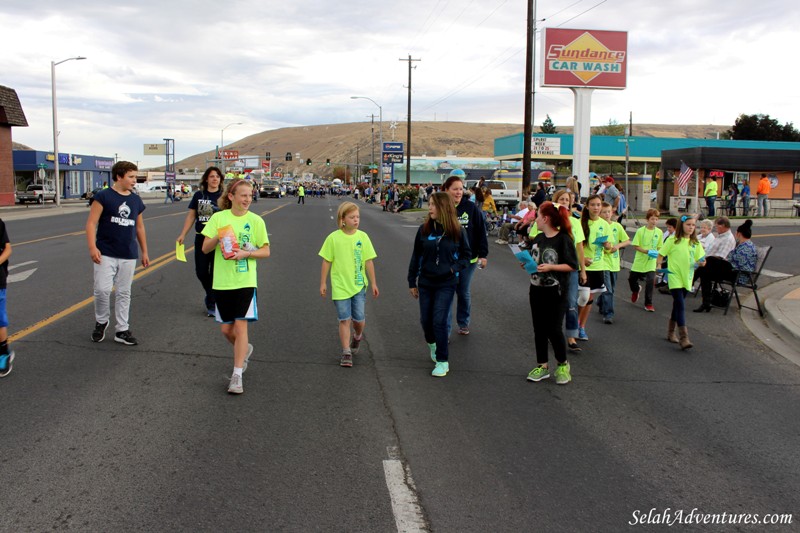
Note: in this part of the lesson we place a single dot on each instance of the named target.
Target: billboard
(584, 58)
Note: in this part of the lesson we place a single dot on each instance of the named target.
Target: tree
(548, 126)
(761, 127)
(612, 129)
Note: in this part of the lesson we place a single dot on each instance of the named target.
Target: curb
(779, 321)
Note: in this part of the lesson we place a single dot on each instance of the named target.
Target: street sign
(169, 177)
(230, 154)
(155, 149)
(391, 157)
(394, 148)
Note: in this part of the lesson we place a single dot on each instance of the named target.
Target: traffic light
(328, 162)
(288, 156)
(308, 162)
(268, 156)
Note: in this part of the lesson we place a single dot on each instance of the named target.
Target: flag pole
(696, 173)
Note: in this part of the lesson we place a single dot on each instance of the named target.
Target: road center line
(405, 504)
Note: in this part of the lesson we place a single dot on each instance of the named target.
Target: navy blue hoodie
(471, 219)
(437, 259)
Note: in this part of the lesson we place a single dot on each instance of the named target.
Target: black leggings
(204, 268)
(548, 309)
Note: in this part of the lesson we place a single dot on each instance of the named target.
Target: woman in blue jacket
(471, 219)
(441, 255)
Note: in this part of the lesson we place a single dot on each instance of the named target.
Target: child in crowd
(114, 227)
(244, 239)
(202, 205)
(554, 252)
(647, 241)
(347, 254)
(619, 239)
(441, 251)
(563, 198)
(685, 253)
(6, 354)
(671, 224)
(596, 233)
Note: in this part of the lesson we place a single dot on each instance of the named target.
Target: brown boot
(685, 343)
(671, 337)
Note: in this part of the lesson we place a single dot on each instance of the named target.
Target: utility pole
(408, 140)
(529, 73)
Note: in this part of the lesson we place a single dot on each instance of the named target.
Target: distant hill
(20, 146)
(338, 142)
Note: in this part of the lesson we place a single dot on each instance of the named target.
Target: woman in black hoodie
(441, 253)
(470, 217)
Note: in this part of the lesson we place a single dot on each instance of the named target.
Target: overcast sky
(185, 69)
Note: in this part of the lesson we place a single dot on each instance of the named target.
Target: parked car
(503, 196)
(36, 193)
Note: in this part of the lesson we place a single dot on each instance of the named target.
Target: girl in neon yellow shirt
(596, 233)
(685, 253)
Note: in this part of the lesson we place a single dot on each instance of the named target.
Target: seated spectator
(513, 223)
(406, 204)
(705, 232)
(743, 257)
(540, 196)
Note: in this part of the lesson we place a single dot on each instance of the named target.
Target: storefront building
(78, 173)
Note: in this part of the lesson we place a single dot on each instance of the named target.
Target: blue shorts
(352, 308)
(3, 313)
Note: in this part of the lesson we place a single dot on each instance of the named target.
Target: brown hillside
(339, 142)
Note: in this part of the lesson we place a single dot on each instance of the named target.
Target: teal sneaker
(539, 373)
(562, 374)
(6, 363)
(432, 347)
(441, 369)
(582, 336)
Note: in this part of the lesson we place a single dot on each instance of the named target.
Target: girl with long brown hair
(441, 253)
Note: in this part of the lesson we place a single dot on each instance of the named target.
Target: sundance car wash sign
(584, 58)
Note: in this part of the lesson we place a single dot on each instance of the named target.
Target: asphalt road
(104, 437)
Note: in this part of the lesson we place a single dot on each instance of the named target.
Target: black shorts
(236, 304)
(595, 280)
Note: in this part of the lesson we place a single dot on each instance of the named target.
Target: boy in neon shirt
(646, 242)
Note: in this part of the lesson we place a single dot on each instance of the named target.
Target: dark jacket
(437, 259)
(471, 219)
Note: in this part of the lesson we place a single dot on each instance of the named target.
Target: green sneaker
(562, 374)
(432, 347)
(441, 369)
(539, 373)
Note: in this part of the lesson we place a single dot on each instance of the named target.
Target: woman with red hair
(553, 249)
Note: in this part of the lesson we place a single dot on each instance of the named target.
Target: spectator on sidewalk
(764, 188)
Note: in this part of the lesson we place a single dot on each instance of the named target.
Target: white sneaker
(501, 241)
(247, 357)
(235, 386)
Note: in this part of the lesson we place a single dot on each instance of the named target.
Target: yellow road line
(776, 235)
(155, 264)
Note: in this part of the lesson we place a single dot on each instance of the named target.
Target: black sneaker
(99, 332)
(125, 337)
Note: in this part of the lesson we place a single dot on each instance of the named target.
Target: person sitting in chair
(743, 257)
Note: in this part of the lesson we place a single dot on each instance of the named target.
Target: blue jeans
(571, 322)
(606, 299)
(710, 201)
(678, 306)
(464, 303)
(434, 307)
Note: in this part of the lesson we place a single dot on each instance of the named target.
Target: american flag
(683, 177)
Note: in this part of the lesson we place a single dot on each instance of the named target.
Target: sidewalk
(68, 206)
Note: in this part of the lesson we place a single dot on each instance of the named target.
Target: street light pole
(222, 145)
(380, 130)
(55, 124)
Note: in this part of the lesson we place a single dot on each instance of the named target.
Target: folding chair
(745, 279)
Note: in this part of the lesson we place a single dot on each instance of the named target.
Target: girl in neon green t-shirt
(685, 254)
(596, 233)
(347, 254)
(235, 276)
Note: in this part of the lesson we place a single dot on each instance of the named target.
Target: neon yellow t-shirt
(249, 228)
(347, 254)
(683, 258)
(597, 228)
(711, 188)
(616, 236)
(651, 240)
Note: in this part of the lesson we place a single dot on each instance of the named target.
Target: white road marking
(405, 505)
(21, 276)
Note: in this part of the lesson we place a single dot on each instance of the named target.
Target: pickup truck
(503, 196)
(36, 193)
